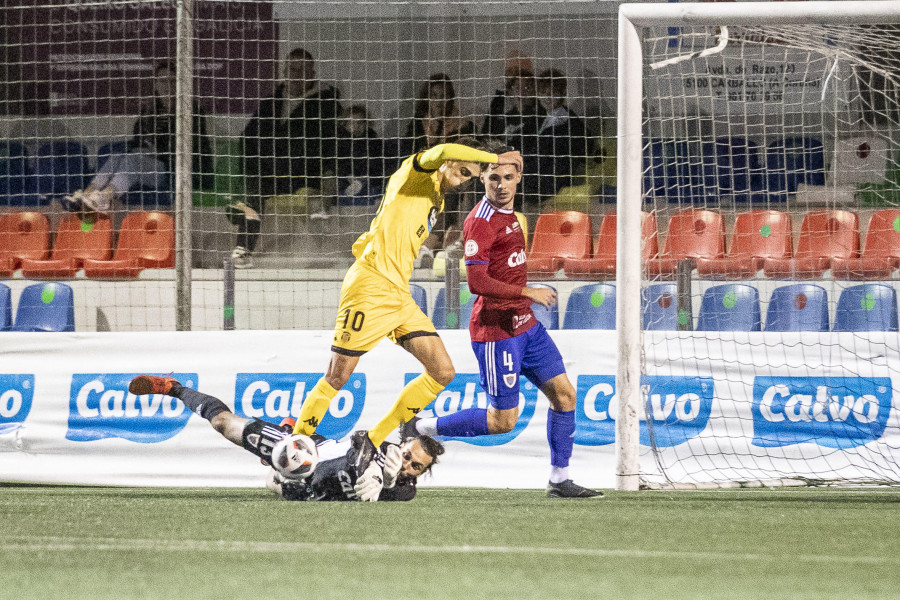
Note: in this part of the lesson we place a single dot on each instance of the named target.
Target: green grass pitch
(97, 543)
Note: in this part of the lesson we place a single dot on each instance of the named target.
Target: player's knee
(444, 373)
(220, 423)
(502, 422)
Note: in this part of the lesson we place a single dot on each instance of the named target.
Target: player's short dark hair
(494, 146)
(432, 448)
(300, 54)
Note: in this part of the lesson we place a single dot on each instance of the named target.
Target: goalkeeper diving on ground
(330, 473)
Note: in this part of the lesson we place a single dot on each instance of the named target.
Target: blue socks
(560, 435)
(471, 422)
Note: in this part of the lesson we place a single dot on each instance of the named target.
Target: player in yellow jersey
(375, 297)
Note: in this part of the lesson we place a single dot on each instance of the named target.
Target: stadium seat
(795, 160)
(558, 236)
(76, 241)
(23, 235)
(659, 307)
(881, 251)
(591, 306)
(730, 307)
(867, 307)
(466, 301)
(757, 235)
(146, 241)
(420, 297)
(798, 307)
(549, 317)
(691, 234)
(59, 168)
(739, 168)
(859, 159)
(602, 265)
(824, 235)
(5, 308)
(45, 307)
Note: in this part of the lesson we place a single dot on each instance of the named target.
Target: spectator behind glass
(560, 146)
(360, 158)
(516, 103)
(436, 117)
(149, 161)
(289, 144)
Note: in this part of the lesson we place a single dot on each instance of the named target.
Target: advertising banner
(719, 406)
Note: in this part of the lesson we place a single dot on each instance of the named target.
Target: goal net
(765, 346)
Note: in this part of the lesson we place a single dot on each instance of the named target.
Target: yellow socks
(314, 407)
(417, 394)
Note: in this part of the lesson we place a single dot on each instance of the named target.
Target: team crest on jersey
(510, 379)
(471, 248)
(345, 337)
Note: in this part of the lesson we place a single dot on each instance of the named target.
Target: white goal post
(633, 67)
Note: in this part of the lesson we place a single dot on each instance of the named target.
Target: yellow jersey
(408, 212)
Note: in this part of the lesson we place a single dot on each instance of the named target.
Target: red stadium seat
(603, 264)
(76, 241)
(881, 251)
(558, 236)
(146, 241)
(758, 235)
(824, 236)
(23, 235)
(691, 234)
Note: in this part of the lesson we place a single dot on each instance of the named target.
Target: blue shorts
(532, 354)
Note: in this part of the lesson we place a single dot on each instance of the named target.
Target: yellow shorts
(373, 308)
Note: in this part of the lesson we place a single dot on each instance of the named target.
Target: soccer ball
(295, 456)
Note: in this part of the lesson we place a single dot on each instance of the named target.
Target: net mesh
(770, 168)
(301, 111)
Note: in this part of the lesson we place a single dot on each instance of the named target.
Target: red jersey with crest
(496, 273)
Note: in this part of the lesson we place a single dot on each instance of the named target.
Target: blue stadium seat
(867, 307)
(659, 306)
(794, 160)
(549, 317)
(730, 307)
(45, 307)
(739, 167)
(419, 295)
(5, 308)
(466, 301)
(798, 307)
(591, 307)
(59, 168)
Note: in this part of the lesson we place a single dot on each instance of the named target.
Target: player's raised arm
(435, 157)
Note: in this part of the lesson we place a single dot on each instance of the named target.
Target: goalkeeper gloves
(393, 462)
(368, 486)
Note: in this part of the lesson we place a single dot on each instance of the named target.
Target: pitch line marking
(67, 544)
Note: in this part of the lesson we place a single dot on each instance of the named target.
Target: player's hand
(393, 462)
(513, 157)
(546, 297)
(368, 486)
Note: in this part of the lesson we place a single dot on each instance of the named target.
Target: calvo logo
(16, 395)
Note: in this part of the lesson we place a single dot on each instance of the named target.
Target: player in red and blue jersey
(508, 340)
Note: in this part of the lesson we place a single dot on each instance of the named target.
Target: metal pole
(451, 283)
(228, 303)
(683, 285)
(184, 95)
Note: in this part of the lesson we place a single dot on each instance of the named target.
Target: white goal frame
(629, 179)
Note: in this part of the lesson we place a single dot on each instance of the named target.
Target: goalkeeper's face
(454, 173)
(415, 460)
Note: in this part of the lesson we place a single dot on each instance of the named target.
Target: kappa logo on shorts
(100, 406)
(274, 396)
(680, 408)
(16, 395)
(464, 392)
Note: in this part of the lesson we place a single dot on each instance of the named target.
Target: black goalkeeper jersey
(334, 478)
